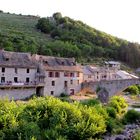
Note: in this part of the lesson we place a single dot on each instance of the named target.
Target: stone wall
(21, 74)
(113, 86)
(59, 88)
(19, 93)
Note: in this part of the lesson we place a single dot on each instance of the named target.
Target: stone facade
(17, 93)
(17, 75)
(23, 74)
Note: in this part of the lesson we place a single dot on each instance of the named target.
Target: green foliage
(111, 112)
(91, 102)
(131, 116)
(137, 135)
(22, 33)
(114, 126)
(119, 104)
(133, 90)
(49, 118)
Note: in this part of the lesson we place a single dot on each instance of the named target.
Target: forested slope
(63, 36)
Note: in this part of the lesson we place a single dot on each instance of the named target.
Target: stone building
(62, 75)
(17, 75)
(92, 73)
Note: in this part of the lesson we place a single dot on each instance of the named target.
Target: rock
(120, 137)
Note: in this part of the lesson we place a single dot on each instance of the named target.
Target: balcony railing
(21, 84)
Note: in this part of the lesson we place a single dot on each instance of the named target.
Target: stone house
(62, 75)
(17, 75)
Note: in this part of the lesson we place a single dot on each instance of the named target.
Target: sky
(116, 17)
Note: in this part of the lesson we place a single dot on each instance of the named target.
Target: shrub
(114, 126)
(91, 102)
(111, 112)
(63, 95)
(119, 104)
(137, 135)
(50, 118)
(131, 116)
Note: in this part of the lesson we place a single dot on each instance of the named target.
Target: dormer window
(62, 63)
(46, 62)
(7, 59)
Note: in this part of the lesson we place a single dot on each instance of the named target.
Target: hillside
(63, 36)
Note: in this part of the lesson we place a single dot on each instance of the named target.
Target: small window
(7, 59)
(15, 79)
(52, 92)
(51, 74)
(78, 74)
(27, 80)
(65, 83)
(16, 70)
(71, 82)
(3, 70)
(57, 74)
(71, 74)
(28, 70)
(53, 83)
(2, 79)
(89, 76)
(66, 74)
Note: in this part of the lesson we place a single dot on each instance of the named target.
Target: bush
(119, 104)
(91, 102)
(131, 116)
(114, 126)
(63, 95)
(137, 135)
(111, 112)
(133, 90)
(50, 118)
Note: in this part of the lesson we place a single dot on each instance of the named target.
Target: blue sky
(116, 17)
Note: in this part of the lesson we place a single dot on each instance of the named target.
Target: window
(57, 74)
(7, 59)
(71, 74)
(52, 92)
(28, 70)
(71, 82)
(53, 83)
(16, 70)
(15, 79)
(65, 83)
(89, 76)
(27, 80)
(2, 79)
(66, 74)
(62, 63)
(3, 70)
(51, 74)
(78, 74)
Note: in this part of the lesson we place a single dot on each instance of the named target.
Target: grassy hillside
(63, 36)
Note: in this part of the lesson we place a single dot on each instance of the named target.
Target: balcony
(21, 84)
